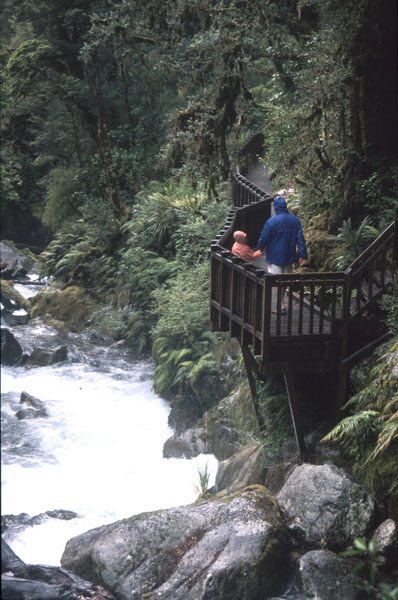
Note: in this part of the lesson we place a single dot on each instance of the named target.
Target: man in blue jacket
(280, 236)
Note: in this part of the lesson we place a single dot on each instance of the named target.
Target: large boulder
(325, 576)
(325, 507)
(241, 470)
(227, 547)
(11, 350)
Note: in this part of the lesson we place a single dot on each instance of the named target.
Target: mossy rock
(8, 291)
(320, 249)
(72, 306)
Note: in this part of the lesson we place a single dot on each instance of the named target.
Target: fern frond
(350, 425)
(205, 363)
(388, 434)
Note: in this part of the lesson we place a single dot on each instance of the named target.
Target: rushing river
(98, 450)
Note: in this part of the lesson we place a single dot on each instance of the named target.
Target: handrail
(374, 246)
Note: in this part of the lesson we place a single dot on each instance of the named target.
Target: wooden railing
(369, 274)
(319, 305)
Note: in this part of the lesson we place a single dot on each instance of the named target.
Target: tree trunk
(104, 149)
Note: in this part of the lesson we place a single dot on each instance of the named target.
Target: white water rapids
(98, 452)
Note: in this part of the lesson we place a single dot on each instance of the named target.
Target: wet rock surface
(12, 524)
(188, 444)
(11, 349)
(43, 358)
(20, 581)
(242, 469)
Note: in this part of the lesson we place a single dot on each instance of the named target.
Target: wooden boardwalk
(333, 318)
(324, 310)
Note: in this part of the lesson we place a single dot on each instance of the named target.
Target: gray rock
(11, 350)
(12, 525)
(273, 475)
(326, 508)
(187, 444)
(43, 358)
(17, 317)
(387, 544)
(325, 576)
(32, 400)
(222, 441)
(11, 255)
(239, 471)
(20, 581)
(30, 413)
(225, 548)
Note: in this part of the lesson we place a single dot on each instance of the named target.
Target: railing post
(266, 320)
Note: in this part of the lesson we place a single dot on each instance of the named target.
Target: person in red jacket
(242, 249)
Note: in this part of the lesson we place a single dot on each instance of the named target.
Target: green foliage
(123, 324)
(182, 307)
(60, 197)
(366, 570)
(379, 192)
(276, 415)
(140, 272)
(369, 436)
(352, 242)
(389, 304)
(182, 346)
(204, 476)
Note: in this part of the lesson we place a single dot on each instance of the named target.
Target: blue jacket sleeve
(301, 246)
(265, 237)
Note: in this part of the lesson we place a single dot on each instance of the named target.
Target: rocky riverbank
(244, 544)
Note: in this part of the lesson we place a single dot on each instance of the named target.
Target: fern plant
(370, 434)
(353, 241)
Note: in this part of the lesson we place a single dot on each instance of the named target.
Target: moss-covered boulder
(72, 306)
(11, 298)
(229, 548)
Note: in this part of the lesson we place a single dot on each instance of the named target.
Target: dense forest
(121, 123)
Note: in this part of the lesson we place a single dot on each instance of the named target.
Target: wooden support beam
(293, 405)
(251, 368)
(351, 360)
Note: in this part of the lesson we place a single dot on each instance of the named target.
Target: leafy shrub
(182, 343)
(368, 580)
